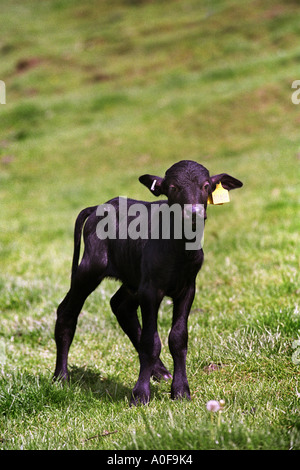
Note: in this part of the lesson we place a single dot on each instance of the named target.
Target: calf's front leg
(178, 340)
(149, 346)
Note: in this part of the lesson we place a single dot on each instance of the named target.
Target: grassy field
(98, 93)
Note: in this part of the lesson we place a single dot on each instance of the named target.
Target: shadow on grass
(100, 386)
(111, 389)
(24, 394)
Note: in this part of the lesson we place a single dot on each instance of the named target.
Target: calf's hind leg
(68, 311)
(124, 305)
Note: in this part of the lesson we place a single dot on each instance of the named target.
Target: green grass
(97, 94)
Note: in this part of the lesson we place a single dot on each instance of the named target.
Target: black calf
(149, 269)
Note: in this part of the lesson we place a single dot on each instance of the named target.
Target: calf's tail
(82, 216)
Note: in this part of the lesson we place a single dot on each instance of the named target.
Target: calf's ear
(228, 182)
(154, 183)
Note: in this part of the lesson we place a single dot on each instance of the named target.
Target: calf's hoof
(60, 376)
(178, 393)
(140, 396)
(160, 372)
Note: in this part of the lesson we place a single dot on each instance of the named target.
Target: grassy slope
(97, 94)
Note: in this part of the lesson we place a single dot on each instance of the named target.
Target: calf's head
(189, 184)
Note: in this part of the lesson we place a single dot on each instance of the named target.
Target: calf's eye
(206, 187)
(173, 189)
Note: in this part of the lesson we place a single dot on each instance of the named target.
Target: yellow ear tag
(219, 196)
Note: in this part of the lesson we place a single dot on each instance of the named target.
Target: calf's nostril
(194, 210)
